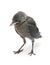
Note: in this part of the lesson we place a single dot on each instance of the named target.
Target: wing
(33, 29)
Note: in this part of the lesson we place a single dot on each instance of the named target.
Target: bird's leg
(20, 47)
(32, 52)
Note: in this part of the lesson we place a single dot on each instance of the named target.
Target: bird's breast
(23, 30)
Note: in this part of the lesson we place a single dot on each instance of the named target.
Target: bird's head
(18, 18)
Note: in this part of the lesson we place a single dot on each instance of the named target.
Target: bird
(26, 27)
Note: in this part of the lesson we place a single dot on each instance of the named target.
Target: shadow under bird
(25, 26)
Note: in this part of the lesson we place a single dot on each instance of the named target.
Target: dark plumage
(25, 26)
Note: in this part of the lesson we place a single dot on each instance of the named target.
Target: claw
(17, 52)
(31, 53)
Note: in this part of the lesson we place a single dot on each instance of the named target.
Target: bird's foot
(31, 53)
(17, 52)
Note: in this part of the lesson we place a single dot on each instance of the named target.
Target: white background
(11, 41)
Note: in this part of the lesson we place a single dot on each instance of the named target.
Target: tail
(38, 35)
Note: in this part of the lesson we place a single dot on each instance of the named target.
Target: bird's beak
(13, 23)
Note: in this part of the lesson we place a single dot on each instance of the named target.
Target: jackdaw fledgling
(25, 26)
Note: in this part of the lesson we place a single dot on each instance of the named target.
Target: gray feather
(25, 25)
(33, 29)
